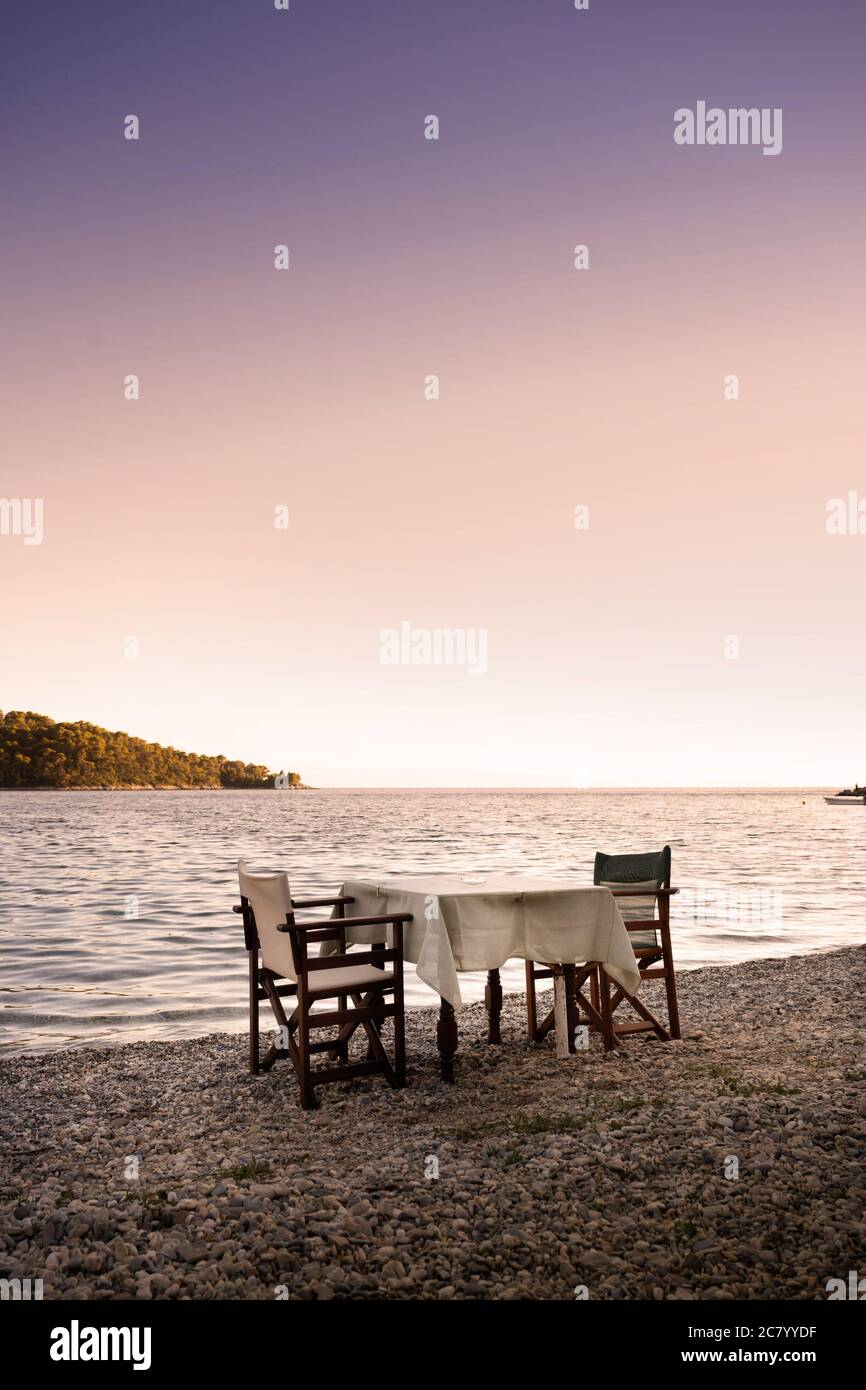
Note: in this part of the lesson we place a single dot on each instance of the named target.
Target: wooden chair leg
(670, 985)
(399, 1028)
(609, 1029)
(591, 1017)
(643, 1012)
(308, 1094)
(369, 1001)
(289, 1024)
(341, 1044)
(531, 1003)
(254, 1010)
(375, 947)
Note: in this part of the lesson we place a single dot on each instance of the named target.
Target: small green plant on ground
(735, 1086)
(244, 1172)
(557, 1123)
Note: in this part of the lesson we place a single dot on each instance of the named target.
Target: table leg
(566, 1012)
(446, 1039)
(571, 1013)
(493, 1003)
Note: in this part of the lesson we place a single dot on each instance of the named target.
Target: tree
(37, 752)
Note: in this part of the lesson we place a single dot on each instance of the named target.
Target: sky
(697, 624)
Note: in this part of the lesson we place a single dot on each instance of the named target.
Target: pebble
(609, 1171)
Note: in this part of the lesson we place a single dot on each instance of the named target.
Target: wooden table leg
(493, 1004)
(446, 1039)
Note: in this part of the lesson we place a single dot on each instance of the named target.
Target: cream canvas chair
(363, 977)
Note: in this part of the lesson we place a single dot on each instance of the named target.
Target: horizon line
(629, 787)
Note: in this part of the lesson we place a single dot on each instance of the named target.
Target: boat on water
(854, 797)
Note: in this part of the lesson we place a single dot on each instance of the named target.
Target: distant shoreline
(134, 787)
(40, 754)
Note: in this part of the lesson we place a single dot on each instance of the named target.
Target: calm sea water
(767, 874)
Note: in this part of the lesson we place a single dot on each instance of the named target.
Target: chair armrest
(320, 902)
(307, 902)
(315, 931)
(642, 892)
(376, 921)
(334, 929)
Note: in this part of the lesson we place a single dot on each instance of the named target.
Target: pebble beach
(728, 1165)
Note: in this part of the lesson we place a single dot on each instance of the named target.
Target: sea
(116, 919)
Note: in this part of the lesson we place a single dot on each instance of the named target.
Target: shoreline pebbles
(729, 1165)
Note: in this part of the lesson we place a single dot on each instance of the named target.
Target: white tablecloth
(479, 926)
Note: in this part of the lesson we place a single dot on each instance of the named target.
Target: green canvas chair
(641, 884)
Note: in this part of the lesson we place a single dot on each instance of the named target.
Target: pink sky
(606, 661)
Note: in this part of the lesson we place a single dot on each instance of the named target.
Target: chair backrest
(270, 898)
(648, 871)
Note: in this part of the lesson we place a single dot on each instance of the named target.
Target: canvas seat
(363, 977)
(353, 977)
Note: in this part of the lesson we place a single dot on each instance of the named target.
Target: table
(478, 922)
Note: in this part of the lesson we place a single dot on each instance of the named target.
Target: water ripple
(775, 873)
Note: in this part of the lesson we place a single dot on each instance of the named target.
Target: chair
(641, 884)
(364, 977)
(638, 882)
